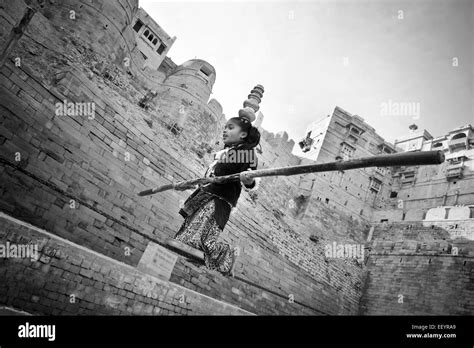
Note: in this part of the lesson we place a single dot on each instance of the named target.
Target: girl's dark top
(225, 195)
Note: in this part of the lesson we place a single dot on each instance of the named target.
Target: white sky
(296, 51)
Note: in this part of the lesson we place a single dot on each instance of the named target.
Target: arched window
(138, 25)
(146, 33)
(437, 145)
(161, 49)
(458, 136)
(151, 37)
(155, 41)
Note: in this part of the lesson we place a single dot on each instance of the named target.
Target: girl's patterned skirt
(201, 231)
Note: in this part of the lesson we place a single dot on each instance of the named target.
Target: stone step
(100, 284)
(8, 311)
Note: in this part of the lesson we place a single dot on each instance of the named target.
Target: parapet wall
(418, 270)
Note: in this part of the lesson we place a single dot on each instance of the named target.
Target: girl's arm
(253, 186)
(253, 183)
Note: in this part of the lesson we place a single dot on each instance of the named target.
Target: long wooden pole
(398, 159)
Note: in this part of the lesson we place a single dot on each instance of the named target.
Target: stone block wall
(78, 178)
(68, 279)
(418, 270)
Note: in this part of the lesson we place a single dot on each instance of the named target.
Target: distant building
(153, 42)
(403, 192)
(342, 136)
(419, 188)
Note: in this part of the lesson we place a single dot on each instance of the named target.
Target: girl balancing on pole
(207, 210)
